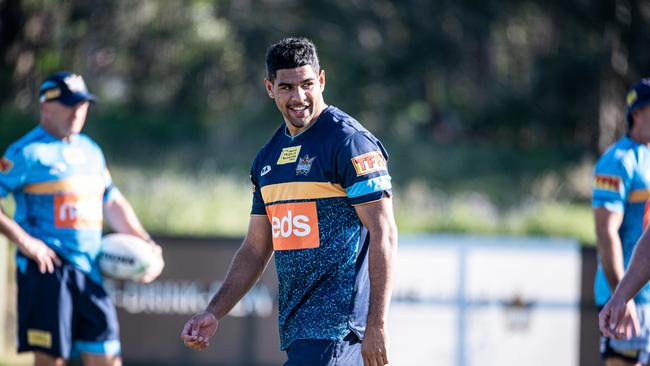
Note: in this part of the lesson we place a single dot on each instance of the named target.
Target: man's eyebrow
(290, 84)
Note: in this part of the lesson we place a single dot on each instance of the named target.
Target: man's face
(63, 121)
(298, 94)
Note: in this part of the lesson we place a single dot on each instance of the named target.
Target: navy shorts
(320, 352)
(64, 313)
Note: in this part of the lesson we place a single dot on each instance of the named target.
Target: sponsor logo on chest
(294, 225)
(72, 211)
(289, 155)
(73, 156)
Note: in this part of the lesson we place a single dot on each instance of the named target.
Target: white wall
(465, 301)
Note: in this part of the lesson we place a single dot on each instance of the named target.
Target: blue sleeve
(13, 171)
(109, 188)
(362, 168)
(611, 183)
(258, 203)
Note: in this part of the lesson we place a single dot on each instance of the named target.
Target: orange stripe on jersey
(79, 185)
(301, 191)
(639, 195)
(294, 225)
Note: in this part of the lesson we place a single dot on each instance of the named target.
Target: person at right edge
(322, 205)
(621, 203)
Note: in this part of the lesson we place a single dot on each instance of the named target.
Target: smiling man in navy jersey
(322, 204)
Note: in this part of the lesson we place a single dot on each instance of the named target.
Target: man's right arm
(609, 244)
(247, 266)
(31, 247)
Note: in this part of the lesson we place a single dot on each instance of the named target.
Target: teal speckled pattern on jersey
(317, 287)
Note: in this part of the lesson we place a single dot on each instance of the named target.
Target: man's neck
(639, 137)
(55, 134)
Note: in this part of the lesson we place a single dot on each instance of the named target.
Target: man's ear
(321, 79)
(268, 85)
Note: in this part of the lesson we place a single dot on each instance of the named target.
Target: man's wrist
(378, 324)
(212, 310)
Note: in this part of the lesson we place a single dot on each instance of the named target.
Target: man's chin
(299, 123)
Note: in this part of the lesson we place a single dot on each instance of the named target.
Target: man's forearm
(380, 267)
(11, 229)
(638, 272)
(245, 270)
(611, 258)
(122, 218)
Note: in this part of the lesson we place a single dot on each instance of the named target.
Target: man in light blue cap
(63, 192)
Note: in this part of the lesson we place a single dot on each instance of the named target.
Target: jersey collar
(286, 129)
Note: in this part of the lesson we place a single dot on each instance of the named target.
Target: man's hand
(39, 252)
(374, 348)
(157, 266)
(618, 319)
(197, 331)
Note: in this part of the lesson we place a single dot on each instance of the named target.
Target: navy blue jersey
(308, 185)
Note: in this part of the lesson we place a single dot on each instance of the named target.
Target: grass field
(212, 204)
(203, 204)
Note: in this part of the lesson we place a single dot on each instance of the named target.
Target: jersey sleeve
(611, 183)
(362, 168)
(258, 203)
(109, 188)
(13, 170)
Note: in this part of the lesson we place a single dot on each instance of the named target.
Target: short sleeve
(611, 183)
(258, 203)
(13, 170)
(109, 188)
(362, 168)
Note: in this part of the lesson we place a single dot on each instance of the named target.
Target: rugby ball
(127, 257)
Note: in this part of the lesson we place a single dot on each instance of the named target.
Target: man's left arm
(122, 218)
(378, 218)
(616, 318)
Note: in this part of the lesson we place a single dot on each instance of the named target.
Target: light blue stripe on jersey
(377, 184)
(109, 348)
(614, 206)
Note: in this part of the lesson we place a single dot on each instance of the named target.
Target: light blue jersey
(60, 188)
(622, 184)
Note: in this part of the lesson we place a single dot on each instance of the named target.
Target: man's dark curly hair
(290, 53)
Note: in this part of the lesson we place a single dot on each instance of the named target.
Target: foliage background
(493, 111)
